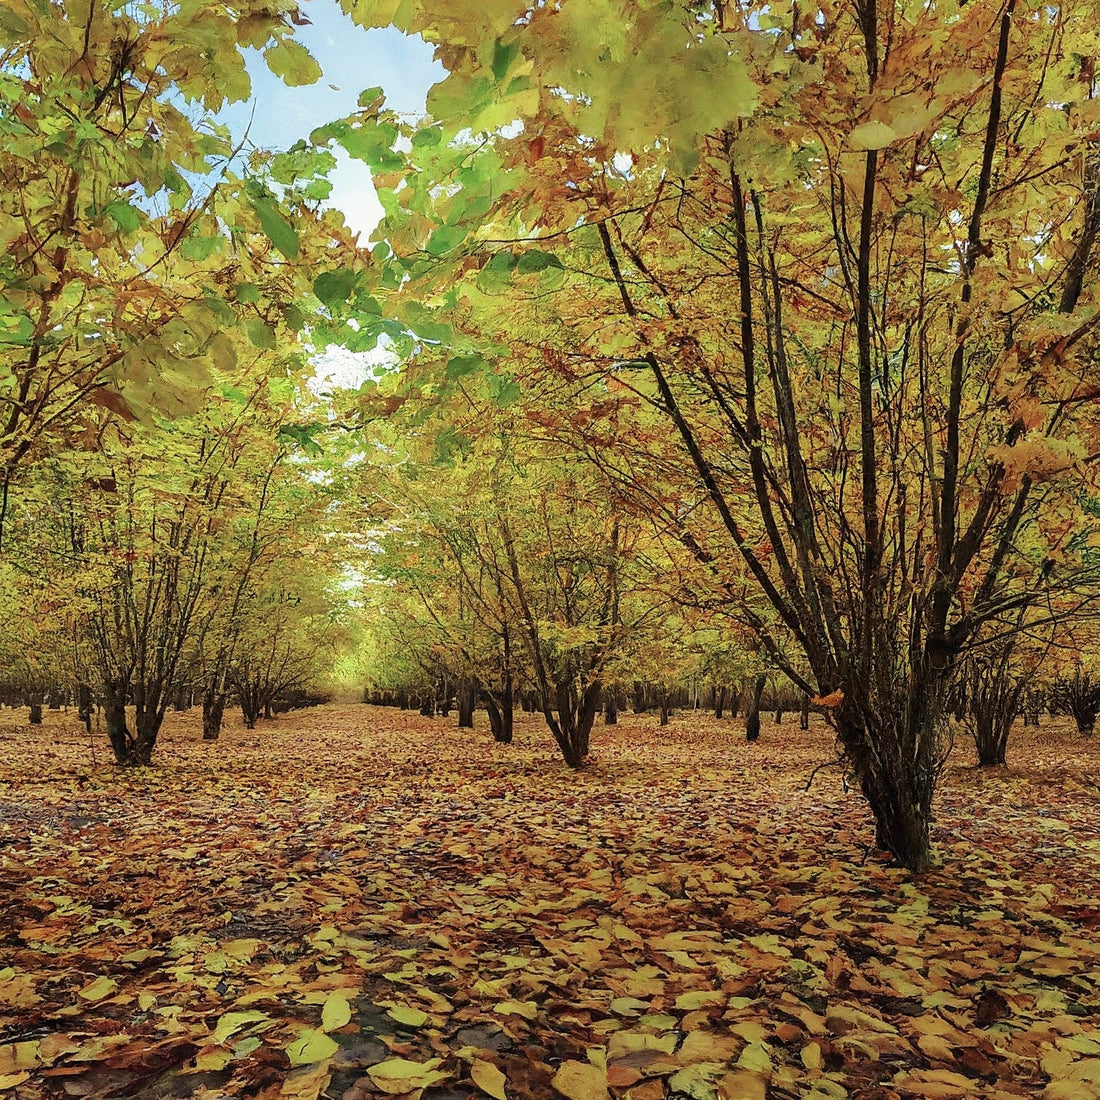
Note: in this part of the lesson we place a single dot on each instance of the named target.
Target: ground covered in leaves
(353, 902)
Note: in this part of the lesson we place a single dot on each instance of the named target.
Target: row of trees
(162, 284)
(813, 288)
(515, 574)
(178, 557)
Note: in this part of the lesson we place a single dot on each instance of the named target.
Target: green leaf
(198, 248)
(247, 293)
(445, 239)
(462, 365)
(335, 287)
(313, 1046)
(292, 63)
(450, 444)
(503, 56)
(294, 318)
(261, 334)
(534, 261)
(503, 390)
(496, 275)
(427, 137)
(124, 215)
(277, 229)
(15, 25)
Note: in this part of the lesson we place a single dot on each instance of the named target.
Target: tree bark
(752, 719)
(467, 701)
(610, 708)
(213, 711)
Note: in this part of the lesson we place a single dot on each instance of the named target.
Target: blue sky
(352, 59)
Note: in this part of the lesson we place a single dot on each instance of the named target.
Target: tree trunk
(638, 698)
(611, 708)
(719, 701)
(35, 706)
(147, 722)
(995, 699)
(752, 719)
(250, 703)
(213, 710)
(896, 757)
(114, 717)
(779, 716)
(735, 703)
(804, 713)
(84, 705)
(467, 701)
(573, 727)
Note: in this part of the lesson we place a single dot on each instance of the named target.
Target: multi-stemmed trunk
(213, 709)
(499, 706)
(994, 695)
(572, 726)
(466, 701)
(133, 748)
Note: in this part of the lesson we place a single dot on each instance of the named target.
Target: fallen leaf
(488, 1078)
(581, 1081)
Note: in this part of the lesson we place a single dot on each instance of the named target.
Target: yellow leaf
(410, 1017)
(697, 1081)
(336, 1012)
(311, 1046)
(871, 135)
(306, 1084)
(705, 1046)
(489, 1079)
(232, 1022)
(100, 988)
(811, 1056)
(1069, 1090)
(581, 1081)
(212, 1059)
(397, 1076)
(527, 1009)
(742, 1084)
(701, 998)
(756, 1057)
(15, 1057)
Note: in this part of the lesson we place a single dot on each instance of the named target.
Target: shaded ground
(682, 919)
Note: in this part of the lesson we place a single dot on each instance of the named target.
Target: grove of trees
(744, 346)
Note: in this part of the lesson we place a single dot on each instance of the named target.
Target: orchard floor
(353, 902)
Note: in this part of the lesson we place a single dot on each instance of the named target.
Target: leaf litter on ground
(354, 902)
